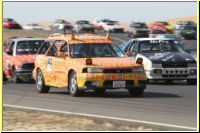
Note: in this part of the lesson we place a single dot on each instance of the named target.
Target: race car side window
(52, 51)
(134, 47)
(64, 48)
(44, 48)
(11, 48)
(127, 45)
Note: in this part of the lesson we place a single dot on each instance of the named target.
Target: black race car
(163, 59)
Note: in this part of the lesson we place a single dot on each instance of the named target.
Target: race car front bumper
(107, 81)
(25, 75)
(172, 73)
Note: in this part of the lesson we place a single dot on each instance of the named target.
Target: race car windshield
(28, 47)
(163, 23)
(159, 46)
(139, 25)
(83, 22)
(95, 50)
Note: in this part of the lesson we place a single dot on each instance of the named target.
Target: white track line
(105, 117)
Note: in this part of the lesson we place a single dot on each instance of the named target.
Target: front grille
(175, 75)
(28, 66)
(174, 65)
(117, 71)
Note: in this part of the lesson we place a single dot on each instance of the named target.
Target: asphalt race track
(174, 104)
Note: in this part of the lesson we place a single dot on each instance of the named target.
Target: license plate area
(119, 84)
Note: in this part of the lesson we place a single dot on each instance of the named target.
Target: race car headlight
(138, 69)
(193, 71)
(147, 65)
(192, 65)
(92, 70)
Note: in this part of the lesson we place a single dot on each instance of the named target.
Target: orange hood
(19, 59)
(112, 62)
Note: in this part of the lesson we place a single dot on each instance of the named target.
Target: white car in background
(61, 24)
(109, 25)
(32, 26)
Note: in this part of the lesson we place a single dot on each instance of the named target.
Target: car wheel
(100, 92)
(192, 81)
(136, 92)
(40, 85)
(73, 86)
(16, 78)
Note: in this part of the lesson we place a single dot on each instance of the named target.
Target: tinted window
(159, 46)
(138, 25)
(95, 50)
(82, 22)
(28, 47)
(64, 48)
(52, 51)
(44, 48)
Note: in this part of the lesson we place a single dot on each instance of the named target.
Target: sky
(28, 12)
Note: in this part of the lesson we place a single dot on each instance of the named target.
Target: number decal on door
(49, 64)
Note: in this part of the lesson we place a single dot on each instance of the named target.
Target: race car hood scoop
(170, 57)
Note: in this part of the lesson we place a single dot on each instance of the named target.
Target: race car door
(56, 66)
(60, 64)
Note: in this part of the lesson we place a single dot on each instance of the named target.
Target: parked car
(83, 26)
(109, 25)
(187, 31)
(138, 29)
(163, 59)
(162, 25)
(32, 26)
(61, 24)
(97, 24)
(9, 23)
(86, 61)
(19, 57)
(185, 22)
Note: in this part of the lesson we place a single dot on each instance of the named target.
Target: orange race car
(84, 62)
(19, 58)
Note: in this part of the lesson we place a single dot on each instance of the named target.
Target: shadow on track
(119, 94)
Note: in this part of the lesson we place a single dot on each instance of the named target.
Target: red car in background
(162, 26)
(9, 23)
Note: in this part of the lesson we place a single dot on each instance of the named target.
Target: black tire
(16, 79)
(136, 92)
(4, 78)
(100, 92)
(40, 85)
(192, 81)
(73, 86)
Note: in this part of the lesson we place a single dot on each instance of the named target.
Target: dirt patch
(7, 34)
(21, 120)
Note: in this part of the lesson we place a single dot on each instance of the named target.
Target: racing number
(49, 64)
